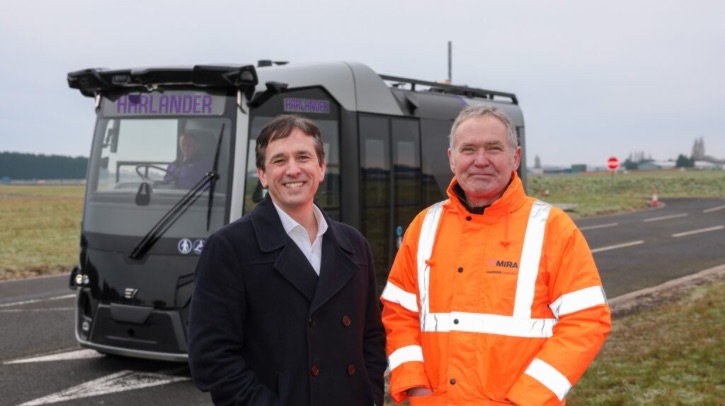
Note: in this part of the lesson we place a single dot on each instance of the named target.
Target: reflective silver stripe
(394, 294)
(579, 300)
(425, 249)
(549, 377)
(488, 324)
(530, 257)
(405, 354)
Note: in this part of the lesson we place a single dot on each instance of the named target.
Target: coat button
(311, 322)
(453, 381)
(346, 321)
(351, 369)
(315, 370)
(460, 270)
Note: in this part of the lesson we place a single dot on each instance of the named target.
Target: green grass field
(602, 193)
(669, 355)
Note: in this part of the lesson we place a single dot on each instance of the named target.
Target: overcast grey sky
(594, 78)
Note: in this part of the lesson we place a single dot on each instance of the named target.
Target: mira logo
(499, 263)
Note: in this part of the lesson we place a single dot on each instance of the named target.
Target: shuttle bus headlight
(78, 278)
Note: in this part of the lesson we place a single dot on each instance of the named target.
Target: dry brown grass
(40, 229)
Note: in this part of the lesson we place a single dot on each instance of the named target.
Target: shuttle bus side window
(407, 181)
(328, 195)
(375, 189)
(436, 170)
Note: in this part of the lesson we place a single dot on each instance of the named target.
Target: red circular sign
(613, 163)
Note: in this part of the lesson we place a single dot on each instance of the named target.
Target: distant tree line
(19, 166)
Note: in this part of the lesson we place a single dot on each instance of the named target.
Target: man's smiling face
(292, 171)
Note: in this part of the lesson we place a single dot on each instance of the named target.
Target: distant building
(654, 165)
(578, 168)
(707, 165)
(556, 169)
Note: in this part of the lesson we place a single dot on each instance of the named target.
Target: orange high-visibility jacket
(502, 307)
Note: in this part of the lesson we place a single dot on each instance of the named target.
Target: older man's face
(482, 159)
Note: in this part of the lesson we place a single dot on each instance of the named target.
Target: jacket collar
(511, 199)
(337, 264)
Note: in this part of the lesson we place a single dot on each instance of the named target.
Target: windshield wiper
(172, 216)
(213, 181)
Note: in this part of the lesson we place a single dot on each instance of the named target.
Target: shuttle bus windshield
(138, 171)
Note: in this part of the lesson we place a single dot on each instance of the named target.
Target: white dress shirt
(298, 234)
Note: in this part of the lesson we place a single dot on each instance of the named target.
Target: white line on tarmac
(52, 309)
(63, 356)
(599, 226)
(37, 300)
(702, 230)
(674, 216)
(118, 382)
(614, 247)
(714, 209)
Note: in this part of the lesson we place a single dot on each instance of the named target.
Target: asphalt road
(646, 248)
(40, 362)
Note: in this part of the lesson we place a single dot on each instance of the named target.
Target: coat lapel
(290, 262)
(293, 265)
(337, 266)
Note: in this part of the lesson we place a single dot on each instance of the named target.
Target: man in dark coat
(285, 309)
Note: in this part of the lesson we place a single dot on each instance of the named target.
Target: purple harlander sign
(306, 105)
(164, 104)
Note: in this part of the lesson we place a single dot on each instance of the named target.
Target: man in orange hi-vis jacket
(494, 297)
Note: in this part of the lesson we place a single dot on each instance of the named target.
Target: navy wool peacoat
(264, 329)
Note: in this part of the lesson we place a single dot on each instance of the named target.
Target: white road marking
(118, 382)
(674, 216)
(63, 356)
(614, 247)
(52, 309)
(702, 230)
(37, 300)
(599, 226)
(714, 209)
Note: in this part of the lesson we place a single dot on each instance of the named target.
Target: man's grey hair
(480, 110)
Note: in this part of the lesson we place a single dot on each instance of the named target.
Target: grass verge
(670, 354)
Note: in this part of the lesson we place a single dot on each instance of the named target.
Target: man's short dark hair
(281, 127)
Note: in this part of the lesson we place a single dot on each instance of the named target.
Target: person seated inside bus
(191, 166)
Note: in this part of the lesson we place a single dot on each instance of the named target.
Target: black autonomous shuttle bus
(385, 140)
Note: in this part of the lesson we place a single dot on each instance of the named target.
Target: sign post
(613, 165)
